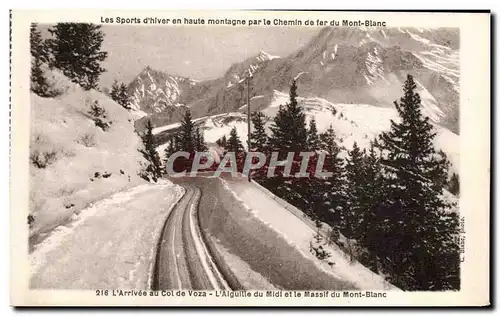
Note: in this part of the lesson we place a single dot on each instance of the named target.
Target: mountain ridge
(342, 65)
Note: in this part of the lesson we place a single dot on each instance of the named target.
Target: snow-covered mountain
(237, 73)
(153, 91)
(341, 65)
(344, 65)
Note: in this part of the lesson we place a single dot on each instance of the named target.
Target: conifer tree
(38, 47)
(454, 184)
(234, 143)
(420, 231)
(200, 141)
(288, 131)
(171, 148)
(258, 137)
(99, 116)
(356, 179)
(335, 189)
(39, 84)
(364, 190)
(76, 49)
(328, 143)
(176, 142)
(371, 228)
(259, 143)
(152, 169)
(313, 142)
(187, 133)
(123, 96)
(288, 135)
(115, 91)
(310, 193)
(221, 142)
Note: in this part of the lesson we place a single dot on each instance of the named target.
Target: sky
(192, 51)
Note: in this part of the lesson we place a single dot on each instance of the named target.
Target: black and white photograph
(259, 157)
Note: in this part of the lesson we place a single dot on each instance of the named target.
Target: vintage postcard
(250, 158)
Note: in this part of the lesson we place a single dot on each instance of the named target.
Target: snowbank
(78, 163)
(288, 221)
(265, 251)
(110, 244)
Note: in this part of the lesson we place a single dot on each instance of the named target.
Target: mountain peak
(155, 91)
(147, 68)
(265, 56)
(150, 70)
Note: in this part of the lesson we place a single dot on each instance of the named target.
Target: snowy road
(248, 252)
(183, 260)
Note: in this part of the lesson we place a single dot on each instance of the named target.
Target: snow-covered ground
(277, 215)
(110, 244)
(81, 163)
